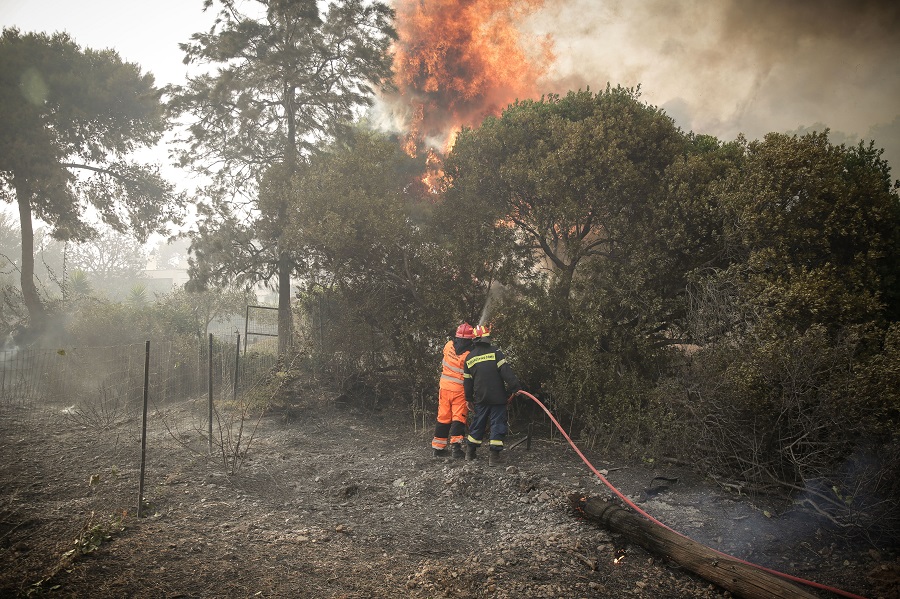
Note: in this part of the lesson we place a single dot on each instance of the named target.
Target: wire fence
(196, 390)
(84, 376)
(201, 396)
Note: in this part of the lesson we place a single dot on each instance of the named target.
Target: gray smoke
(733, 66)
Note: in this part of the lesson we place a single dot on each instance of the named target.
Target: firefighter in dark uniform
(488, 381)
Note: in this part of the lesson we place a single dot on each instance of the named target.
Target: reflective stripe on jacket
(452, 368)
(487, 376)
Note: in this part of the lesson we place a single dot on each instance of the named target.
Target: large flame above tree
(458, 61)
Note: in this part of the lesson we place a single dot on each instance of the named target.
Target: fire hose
(632, 505)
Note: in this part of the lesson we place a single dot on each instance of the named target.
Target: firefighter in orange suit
(451, 416)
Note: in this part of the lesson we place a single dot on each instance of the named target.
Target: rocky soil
(349, 503)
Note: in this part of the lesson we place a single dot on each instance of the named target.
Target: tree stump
(741, 579)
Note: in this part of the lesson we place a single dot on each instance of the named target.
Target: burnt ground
(349, 503)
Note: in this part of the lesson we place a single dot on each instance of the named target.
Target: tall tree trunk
(563, 283)
(285, 321)
(36, 310)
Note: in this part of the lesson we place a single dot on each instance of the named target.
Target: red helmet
(482, 330)
(465, 331)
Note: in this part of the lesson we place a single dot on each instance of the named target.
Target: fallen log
(740, 579)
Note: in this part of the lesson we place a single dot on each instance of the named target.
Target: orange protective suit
(451, 416)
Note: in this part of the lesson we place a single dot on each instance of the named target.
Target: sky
(719, 67)
(144, 32)
(148, 37)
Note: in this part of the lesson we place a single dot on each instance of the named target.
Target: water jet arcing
(494, 293)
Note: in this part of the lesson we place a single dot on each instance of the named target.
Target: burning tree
(457, 62)
(572, 174)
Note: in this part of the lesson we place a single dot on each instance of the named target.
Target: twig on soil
(14, 528)
(674, 461)
(815, 507)
(588, 561)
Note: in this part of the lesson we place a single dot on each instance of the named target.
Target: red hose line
(633, 506)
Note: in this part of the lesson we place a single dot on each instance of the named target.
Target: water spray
(484, 312)
(493, 292)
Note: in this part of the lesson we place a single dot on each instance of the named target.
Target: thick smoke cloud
(737, 66)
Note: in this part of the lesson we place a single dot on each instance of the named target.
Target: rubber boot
(456, 451)
(470, 452)
(439, 453)
(496, 458)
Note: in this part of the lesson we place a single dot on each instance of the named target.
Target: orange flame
(434, 171)
(458, 61)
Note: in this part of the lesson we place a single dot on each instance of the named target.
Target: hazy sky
(725, 67)
(717, 66)
(145, 32)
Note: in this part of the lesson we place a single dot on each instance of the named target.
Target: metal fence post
(237, 357)
(140, 509)
(209, 378)
(246, 327)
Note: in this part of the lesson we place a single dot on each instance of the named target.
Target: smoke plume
(717, 67)
(731, 66)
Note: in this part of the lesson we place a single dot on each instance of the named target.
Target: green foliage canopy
(569, 173)
(364, 221)
(67, 110)
(283, 82)
(572, 185)
(813, 232)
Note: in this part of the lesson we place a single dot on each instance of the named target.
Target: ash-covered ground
(349, 503)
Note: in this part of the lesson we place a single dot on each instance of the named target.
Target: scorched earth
(348, 502)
